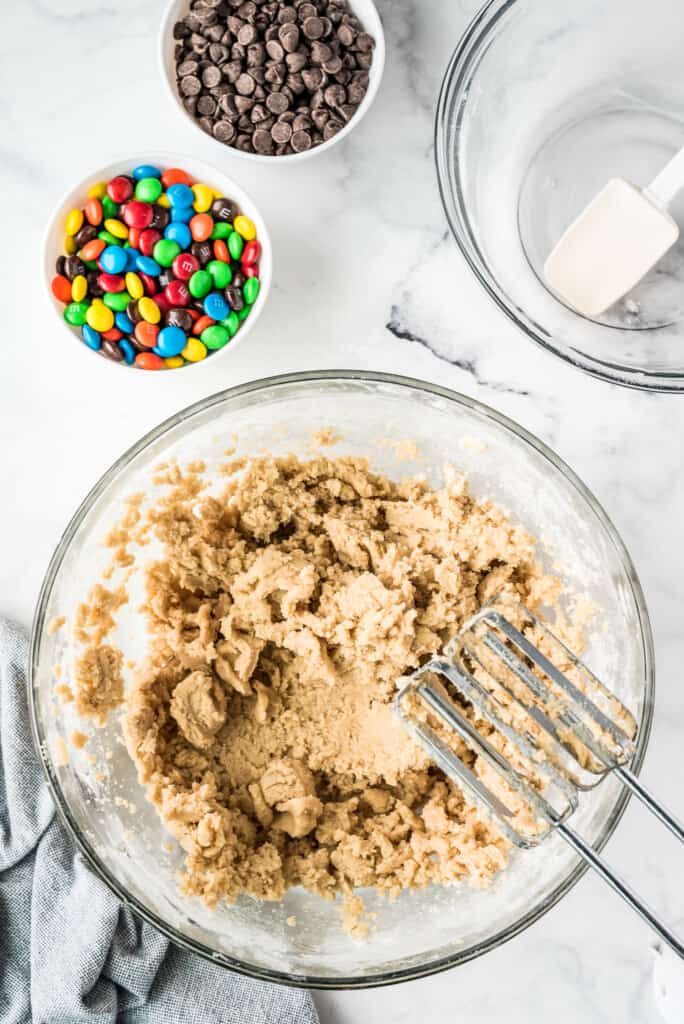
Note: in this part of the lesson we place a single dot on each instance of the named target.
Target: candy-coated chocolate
(124, 323)
(162, 302)
(216, 306)
(173, 362)
(75, 313)
(149, 361)
(134, 285)
(148, 190)
(164, 201)
(221, 273)
(201, 227)
(201, 324)
(116, 301)
(215, 336)
(145, 171)
(134, 236)
(91, 337)
(146, 333)
(128, 351)
(235, 245)
(79, 288)
(178, 232)
(180, 194)
(194, 350)
(74, 222)
(70, 245)
(111, 350)
(116, 227)
(185, 265)
(250, 290)
(113, 259)
(111, 282)
(160, 216)
(93, 211)
(165, 251)
(245, 227)
(221, 250)
(85, 235)
(149, 283)
(231, 322)
(181, 214)
(146, 265)
(177, 293)
(170, 341)
(203, 252)
(61, 288)
(252, 251)
(149, 310)
(137, 214)
(92, 249)
(113, 334)
(204, 197)
(99, 316)
(120, 189)
(250, 270)
(179, 318)
(200, 284)
(108, 238)
(109, 207)
(224, 209)
(222, 229)
(148, 239)
(97, 191)
(244, 312)
(174, 176)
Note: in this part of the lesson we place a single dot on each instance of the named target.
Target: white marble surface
(360, 244)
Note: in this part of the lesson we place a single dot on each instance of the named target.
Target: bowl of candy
(277, 80)
(157, 262)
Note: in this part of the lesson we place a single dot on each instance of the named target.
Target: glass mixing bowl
(421, 932)
(542, 103)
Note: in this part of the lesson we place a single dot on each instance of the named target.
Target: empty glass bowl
(421, 932)
(542, 104)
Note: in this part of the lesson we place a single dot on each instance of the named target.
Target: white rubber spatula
(615, 241)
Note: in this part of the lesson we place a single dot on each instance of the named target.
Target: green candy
(91, 264)
(75, 313)
(200, 284)
(109, 238)
(109, 207)
(235, 245)
(215, 336)
(250, 290)
(222, 229)
(221, 273)
(231, 323)
(165, 251)
(244, 312)
(148, 190)
(116, 300)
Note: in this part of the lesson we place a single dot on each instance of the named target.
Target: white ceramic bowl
(365, 11)
(53, 244)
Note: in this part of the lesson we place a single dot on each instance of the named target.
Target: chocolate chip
(223, 131)
(332, 127)
(365, 42)
(313, 28)
(247, 34)
(281, 132)
(190, 85)
(335, 95)
(332, 66)
(243, 104)
(206, 105)
(244, 143)
(256, 56)
(277, 102)
(287, 15)
(302, 123)
(320, 53)
(232, 71)
(364, 60)
(245, 85)
(227, 105)
(307, 11)
(211, 76)
(262, 141)
(296, 61)
(186, 67)
(219, 53)
(288, 35)
(275, 50)
(301, 141)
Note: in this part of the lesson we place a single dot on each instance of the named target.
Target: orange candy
(201, 226)
(149, 361)
(61, 288)
(113, 334)
(134, 237)
(92, 249)
(174, 176)
(221, 251)
(200, 324)
(146, 334)
(93, 211)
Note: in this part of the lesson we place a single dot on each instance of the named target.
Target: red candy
(149, 361)
(93, 211)
(251, 252)
(250, 270)
(61, 288)
(221, 251)
(194, 314)
(177, 294)
(174, 176)
(148, 239)
(149, 283)
(146, 333)
(120, 189)
(136, 214)
(111, 282)
(185, 265)
(201, 226)
(134, 237)
(162, 302)
(113, 334)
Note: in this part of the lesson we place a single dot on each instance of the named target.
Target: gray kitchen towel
(69, 951)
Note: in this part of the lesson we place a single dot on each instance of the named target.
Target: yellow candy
(79, 288)
(245, 227)
(164, 201)
(134, 285)
(98, 191)
(194, 350)
(99, 316)
(217, 194)
(74, 222)
(149, 310)
(116, 228)
(70, 246)
(173, 362)
(204, 197)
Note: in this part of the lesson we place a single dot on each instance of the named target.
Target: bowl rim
(168, 159)
(385, 977)
(454, 91)
(166, 32)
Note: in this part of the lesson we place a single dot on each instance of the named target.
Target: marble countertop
(367, 277)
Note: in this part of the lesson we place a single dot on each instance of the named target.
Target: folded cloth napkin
(69, 951)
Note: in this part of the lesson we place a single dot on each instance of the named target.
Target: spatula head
(611, 246)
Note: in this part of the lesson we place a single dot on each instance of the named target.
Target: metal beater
(552, 730)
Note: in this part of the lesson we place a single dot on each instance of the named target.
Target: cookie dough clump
(281, 616)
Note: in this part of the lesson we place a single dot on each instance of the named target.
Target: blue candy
(181, 214)
(146, 171)
(146, 265)
(170, 342)
(113, 259)
(128, 351)
(216, 306)
(179, 232)
(124, 323)
(180, 195)
(91, 337)
(132, 257)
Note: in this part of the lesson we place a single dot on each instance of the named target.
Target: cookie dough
(281, 616)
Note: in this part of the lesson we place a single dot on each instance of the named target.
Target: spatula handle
(666, 185)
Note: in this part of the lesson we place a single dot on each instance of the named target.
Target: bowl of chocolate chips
(271, 78)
